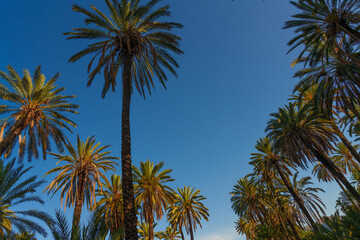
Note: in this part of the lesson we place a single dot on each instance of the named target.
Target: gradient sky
(234, 73)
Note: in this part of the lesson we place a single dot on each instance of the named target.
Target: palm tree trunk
(296, 197)
(345, 141)
(78, 204)
(130, 219)
(9, 139)
(151, 221)
(190, 227)
(335, 171)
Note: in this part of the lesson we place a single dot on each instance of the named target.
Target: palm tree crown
(152, 193)
(133, 31)
(110, 205)
(188, 210)
(37, 112)
(298, 133)
(321, 24)
(77, 179)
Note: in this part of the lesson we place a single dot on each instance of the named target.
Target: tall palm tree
(17, 190)
(83, 169)
(135, 39)
(109, 206)
(305, 137)
(268, 162)
(188, 210)
(151, 191)
(320, 25)
(36, 110)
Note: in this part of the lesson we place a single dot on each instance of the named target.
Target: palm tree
(246, 227)
(84, 169)
(247, 198)
(170, 233)
(144, 231)
(152, 193)
(321, 24)
(305, 137)
(268, 162)
(109, 207)
(188, 210)
(134, 39)
(322, 100)
(14, 194)
(37, 112)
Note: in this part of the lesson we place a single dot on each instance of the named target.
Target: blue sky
(234, 73)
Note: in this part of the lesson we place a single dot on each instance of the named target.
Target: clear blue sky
(234, 73)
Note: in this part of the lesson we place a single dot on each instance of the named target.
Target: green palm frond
(130, 31)
(321, 25)
(35, 111)
(188, 209)
(14, 194)
(87, 158)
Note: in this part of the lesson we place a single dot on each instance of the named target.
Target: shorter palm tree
(84, 169)
(144, 231)
(110, 206)
(170, 233)
(14, 194)
(151, 192)
(36, 110)
(188, 210)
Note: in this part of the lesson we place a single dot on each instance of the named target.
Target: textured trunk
(130, 219)
(335, 171)
(78, 204)
(352, 32)
(297, 199)
(346, 142)
(9, 139)
(191, 227)
(293, 228)
(151, 221)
